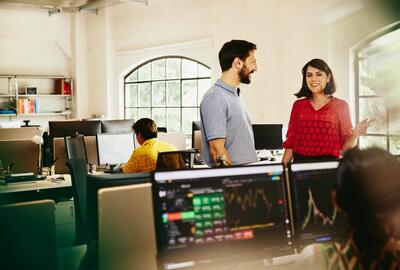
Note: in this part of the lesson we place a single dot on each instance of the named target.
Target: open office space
(97, 66)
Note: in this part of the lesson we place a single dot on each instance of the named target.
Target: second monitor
(267, 136)
(114, 149)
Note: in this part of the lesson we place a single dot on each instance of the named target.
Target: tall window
(168, 90)
(378, 89)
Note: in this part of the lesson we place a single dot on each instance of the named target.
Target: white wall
(98, 49)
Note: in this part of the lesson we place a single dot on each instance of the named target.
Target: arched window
(377, 65)
(168, 90)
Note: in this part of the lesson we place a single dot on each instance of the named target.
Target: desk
(35, 190)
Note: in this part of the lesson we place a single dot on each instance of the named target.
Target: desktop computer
(220, 216)
(114, 149)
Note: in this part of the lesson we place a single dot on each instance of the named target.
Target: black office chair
(75, 147)
(77, 168)
(176, 159)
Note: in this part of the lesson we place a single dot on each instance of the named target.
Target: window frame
(181, 80)
(358, 97)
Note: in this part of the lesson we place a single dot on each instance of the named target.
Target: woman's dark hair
(232, 49)
(323, 66)
(146, 127)
(368, 191)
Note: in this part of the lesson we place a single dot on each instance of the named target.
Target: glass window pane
(368, 141)
(173, 68)
(158, 115)
(189, 69)
(203, 86)
(189, 93)
(131, 114)
(158, 71)
(144, 94)
(158, 99)
(144, 113)
(394, 145)
(367, 80)
(188, 116)
(174, 120)
(133, 77)
(203, 71)
(131, 95)
(145, 72)
(173, 93)
(374, 108)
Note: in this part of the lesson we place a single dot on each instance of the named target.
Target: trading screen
(242, 210)
(317, 219)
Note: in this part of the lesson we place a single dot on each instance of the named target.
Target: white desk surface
(47, 183)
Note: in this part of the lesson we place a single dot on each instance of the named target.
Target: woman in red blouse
(320, 126)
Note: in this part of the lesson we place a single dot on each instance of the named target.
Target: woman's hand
(362, 127)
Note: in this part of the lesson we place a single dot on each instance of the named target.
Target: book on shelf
(27, 105)
(62, 87)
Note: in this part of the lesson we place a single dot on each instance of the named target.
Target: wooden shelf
(46, 114)
(44, 95)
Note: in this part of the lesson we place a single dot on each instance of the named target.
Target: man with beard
(227, 134)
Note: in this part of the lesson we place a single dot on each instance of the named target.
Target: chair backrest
(176, 159)
(77, 168)
(75, 147)
(196, 140)
(126, 228)
(28, 238)
(60, 153)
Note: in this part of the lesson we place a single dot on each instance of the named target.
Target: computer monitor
(316, 218)
(267, 136)
(69, 128)
(116, 126)
(220, 216)
(75, 147)
(113, 149)
(21, 156)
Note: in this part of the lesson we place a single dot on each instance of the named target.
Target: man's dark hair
(320, 64)
(146, 127)
(232, 49)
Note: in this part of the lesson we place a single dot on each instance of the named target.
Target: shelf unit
(48, 100)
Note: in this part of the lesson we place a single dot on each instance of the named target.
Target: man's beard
(243, 76)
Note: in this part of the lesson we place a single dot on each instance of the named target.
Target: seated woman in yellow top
(144, 158)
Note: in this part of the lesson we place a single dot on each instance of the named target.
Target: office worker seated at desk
(144, 158)
(367, 190)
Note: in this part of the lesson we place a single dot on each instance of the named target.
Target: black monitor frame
(267, 136)
(209, 181)
(312, 173)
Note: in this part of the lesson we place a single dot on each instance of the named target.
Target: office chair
(176, 159)
(75, 147)
(28, 235)
(77, 168)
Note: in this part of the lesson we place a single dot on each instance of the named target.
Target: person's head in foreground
(367, 190)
